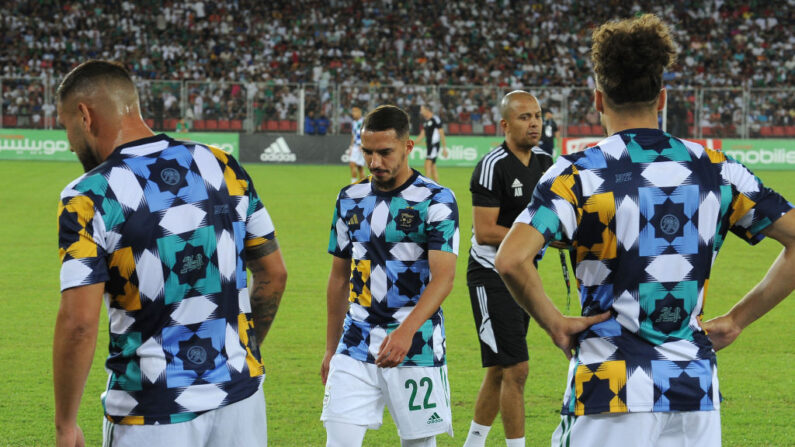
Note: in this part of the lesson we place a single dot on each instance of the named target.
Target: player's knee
(421, 442)
(494, 374)
(516, 375)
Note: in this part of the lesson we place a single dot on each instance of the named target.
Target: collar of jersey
(645, 131)
(142, 141)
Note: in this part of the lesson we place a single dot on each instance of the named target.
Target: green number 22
(413, 385)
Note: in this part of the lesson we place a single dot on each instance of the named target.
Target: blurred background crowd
(235, 62)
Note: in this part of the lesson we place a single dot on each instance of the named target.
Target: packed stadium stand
(259, 66)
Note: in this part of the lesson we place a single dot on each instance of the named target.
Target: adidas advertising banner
(332, 149)
(28, 144)
(294, 149)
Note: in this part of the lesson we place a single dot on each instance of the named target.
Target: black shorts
(503, 334)
(433, 152)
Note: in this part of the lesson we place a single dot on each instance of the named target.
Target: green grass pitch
(755, 372)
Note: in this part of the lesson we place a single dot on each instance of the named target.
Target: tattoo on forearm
(262, 250)
(264, 304)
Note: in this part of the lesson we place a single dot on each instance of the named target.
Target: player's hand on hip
(722, 331)
(565, 334)
(71, 437)
(393, 349)
(325, 365)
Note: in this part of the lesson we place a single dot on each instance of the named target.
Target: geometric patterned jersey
(387, 235)
(645, 214)
(164, 224)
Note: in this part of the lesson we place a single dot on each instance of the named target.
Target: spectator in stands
(43, 38)
(310, 124)
(321, 124)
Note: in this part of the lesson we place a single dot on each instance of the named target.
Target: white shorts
(418, 398)
(674, 429)
(241, 423)
(356, 155)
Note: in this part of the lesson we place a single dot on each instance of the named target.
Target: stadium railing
(694, 112)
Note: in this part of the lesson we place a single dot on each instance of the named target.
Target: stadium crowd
(386, 43)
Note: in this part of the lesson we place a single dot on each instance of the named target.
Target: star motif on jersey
(190, 264)
(115, 285)
(596, 390)
(357, 279)
(168, 175)
(590, 229)
(668, 314)
(252, 345)
(353, 336)
(669, 220)
(197, 354)
(417, 343)
(409, 283)
(684, 393)
(70, 220)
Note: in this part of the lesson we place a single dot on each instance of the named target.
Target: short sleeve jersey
(356, 130)
(646, 214)
(501, 180)
(164, 224)
(431, 127)
(387, 236)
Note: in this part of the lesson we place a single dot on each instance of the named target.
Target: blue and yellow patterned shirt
(646, 214)
(387, 236)
(164, 224)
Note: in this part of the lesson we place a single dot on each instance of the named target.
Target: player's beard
(391, 182)
(87, 157)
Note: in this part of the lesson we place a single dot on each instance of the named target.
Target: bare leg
(512, 399)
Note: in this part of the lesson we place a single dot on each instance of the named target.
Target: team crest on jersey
(407, 220)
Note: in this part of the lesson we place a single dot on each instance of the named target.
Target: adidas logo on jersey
(278, 151)
(517, 187)
(434, 419)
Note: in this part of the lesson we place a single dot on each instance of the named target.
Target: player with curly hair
(645, 214)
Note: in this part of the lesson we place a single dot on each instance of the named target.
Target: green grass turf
(755, 382)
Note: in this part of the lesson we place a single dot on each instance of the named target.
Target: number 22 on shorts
(426, 383)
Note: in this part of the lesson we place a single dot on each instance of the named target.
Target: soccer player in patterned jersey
(164, 229)
(646, 214)
(433, 132)
(502, 185)
(394, 241)
(355, 150)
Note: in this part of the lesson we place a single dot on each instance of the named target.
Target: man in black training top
(502, 186)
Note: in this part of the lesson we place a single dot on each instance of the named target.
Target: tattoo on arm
(262, 250)
(265, 300)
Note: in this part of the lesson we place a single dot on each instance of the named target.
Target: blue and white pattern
(646, 214)
(387, 236)
(164, 225)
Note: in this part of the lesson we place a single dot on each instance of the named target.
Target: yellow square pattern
(615, 372)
